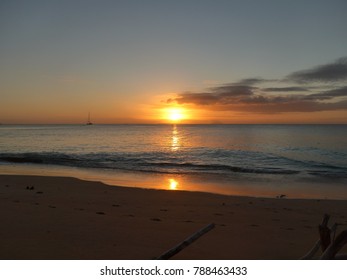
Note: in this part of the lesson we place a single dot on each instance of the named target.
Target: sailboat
(89, 122)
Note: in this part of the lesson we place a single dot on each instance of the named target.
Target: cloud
(285, 89)
(332, 72)
(224, 94)
(272, 107)
(339, 92)
(233, 90)
(252, 99)
(245, 96)
(250, 81)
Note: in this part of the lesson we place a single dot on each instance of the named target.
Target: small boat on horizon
(88, 121)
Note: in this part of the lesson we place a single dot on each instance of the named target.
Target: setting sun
(175, 114)
(173, 184)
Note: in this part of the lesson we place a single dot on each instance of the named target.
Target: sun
(173, 184)
(175, 114)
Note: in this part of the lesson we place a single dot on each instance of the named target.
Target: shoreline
(262, 187)
(68, 218)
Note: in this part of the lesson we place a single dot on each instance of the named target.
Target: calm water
(222, 153)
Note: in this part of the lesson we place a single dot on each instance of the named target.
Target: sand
(68, 218)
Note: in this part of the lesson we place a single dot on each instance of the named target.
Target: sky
(216, 61)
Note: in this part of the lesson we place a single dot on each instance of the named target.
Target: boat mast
(89, 122)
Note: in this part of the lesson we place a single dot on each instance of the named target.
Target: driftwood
(324, 233)
(312, 252)
(170, 253)
(328, 243)
(335, 246)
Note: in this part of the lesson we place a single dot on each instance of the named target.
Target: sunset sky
(215, 61)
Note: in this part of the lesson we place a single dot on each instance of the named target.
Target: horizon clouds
(299, 95)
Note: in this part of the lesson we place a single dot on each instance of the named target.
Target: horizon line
(83, 124)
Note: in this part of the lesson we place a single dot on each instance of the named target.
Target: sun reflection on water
(175, 139)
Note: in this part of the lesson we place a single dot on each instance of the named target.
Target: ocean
(259, 160)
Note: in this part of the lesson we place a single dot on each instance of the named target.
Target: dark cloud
(250, 81)
(235, 98)
(336, 71)
(233, 90)
(285, 89)
(339, 92)
(218, 95)
(246, 97)
(288, 106)
(195, 98)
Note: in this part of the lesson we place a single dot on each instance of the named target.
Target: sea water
(259, 160)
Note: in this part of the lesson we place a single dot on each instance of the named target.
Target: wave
(222, 162)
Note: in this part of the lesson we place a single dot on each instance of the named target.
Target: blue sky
(119, 59)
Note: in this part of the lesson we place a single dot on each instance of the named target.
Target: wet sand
(68, 218)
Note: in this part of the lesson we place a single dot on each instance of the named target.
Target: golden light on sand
(173, 184)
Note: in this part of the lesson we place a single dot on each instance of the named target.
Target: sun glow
(173, 184)
(175, 114)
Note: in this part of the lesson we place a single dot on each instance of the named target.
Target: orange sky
(129, 61)
(158, 113)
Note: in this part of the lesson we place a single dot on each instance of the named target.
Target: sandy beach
(67, 218)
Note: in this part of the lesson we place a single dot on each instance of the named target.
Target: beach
(67, 218)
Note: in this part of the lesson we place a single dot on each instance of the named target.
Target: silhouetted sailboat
(89, 122)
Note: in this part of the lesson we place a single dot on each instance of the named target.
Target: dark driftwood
(323, 241)
(167, 255)
(336, 246)
(330, 246)
(312, 252)
(324, 233)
